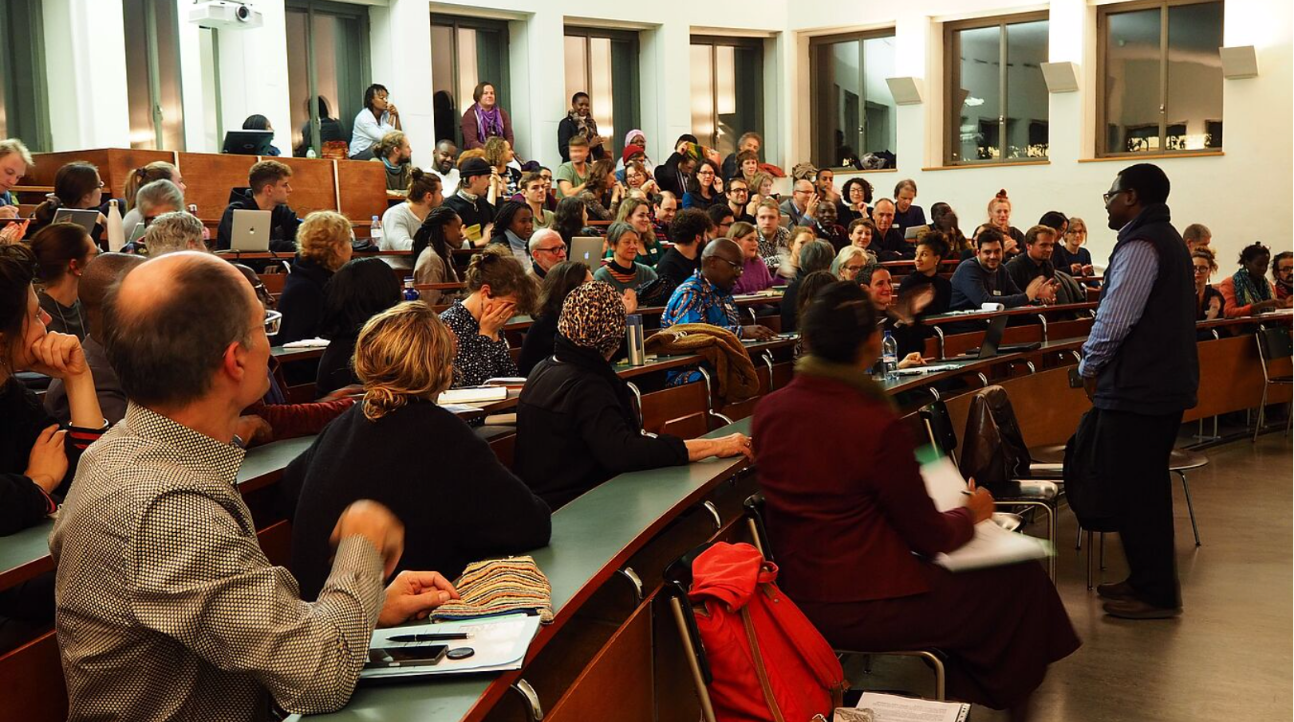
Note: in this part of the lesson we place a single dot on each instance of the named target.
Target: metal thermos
(635, 340)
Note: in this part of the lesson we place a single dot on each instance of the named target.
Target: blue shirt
(697, 300)
(1128, 282)
(974, 286)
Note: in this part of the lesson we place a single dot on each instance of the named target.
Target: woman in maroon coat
(847, 509)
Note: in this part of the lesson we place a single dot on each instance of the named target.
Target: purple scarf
(489, 123)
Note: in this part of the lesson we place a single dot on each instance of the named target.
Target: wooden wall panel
(313, 188)
(363, 192)
(617, 684)
(210, 177)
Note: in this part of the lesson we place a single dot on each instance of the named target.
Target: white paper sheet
(500, 644)
(893, 708)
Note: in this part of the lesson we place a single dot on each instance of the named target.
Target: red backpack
(768, 661)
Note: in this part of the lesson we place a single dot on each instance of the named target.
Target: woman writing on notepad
(847, 515)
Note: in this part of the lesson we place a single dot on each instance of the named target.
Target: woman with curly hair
(323, 246)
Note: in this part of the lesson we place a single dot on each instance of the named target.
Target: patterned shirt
(772, 249)
(167, 607)
(697, 300)
(479, 358)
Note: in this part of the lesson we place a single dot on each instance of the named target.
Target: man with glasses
(802, 204)
(706, 297)
(738, 197)
(1283, 275)
(547, 249)
(1141, 370)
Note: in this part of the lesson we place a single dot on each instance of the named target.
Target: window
(997, 98)
(1162, 77)
(153, 75)
(23, 111)
(852, 109)
(464, 52)
(327, 62)
(604, 64)
(727, 103)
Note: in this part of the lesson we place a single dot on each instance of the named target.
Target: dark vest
(1156, 369)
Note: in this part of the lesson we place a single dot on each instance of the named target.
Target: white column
(399, 34)
(666, 90)
(86, 109)
(918, 126)
(1069, 130)
(254, 74)
(197, 136)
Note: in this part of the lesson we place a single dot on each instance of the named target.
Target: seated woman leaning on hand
(846, 510)
(576, 424)
(464, 507)
(498, 289)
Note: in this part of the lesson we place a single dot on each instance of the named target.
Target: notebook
(893, 708)
(472, 395)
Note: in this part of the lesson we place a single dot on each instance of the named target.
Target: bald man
(706, 297)
(167, 607)
(100, 274)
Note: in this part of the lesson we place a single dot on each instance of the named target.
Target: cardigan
(458, 503)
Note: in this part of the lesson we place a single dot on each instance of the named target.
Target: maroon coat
(846, 506)
(472, 135)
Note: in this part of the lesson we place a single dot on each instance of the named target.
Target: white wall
(86, 76)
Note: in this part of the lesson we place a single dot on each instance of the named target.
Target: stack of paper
(472, 395)
(499, 644)
(893, 708)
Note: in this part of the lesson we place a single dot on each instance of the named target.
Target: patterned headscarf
(593, 316)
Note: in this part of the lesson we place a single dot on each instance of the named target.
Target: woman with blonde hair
(323, 246)
(404, 359)
(999, 217)
(850, 261)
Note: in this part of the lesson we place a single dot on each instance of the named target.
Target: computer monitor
(248, 142)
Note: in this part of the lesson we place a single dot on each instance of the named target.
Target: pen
(967, 492)
(427, 637)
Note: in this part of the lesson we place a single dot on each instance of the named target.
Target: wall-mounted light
(1239, 62)
(907, 90)
(1060, 77)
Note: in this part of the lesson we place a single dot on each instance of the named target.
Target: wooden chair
(672, 406)
(31, 682)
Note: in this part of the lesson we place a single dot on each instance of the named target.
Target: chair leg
(1262, 405)
(1091, 560)
(703, 695)
(1186, 489)
(1100, 535)
(1078, 539)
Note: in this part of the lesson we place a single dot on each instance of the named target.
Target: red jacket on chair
(768, 660)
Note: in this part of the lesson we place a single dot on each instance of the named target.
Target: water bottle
(890, 356)
(375, 232)
(116, 234)
(310, 153)
(410, 293)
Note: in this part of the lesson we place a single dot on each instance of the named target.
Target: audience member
(396, 157)
(666, 208)
(15, 159)
(547, 249)
(256, 121)
(576, 421)
(38, 458)
(498, 289)
(1056, 221)
(378, 118)
(854, 199)
(269, 188)
(441, 232)
(824, 184)
(1209, 303)
(172, 570)
(861, 233)
(1247, 291)
(77, 187)
(638, 178)
(470, 201)
(637, 213)
(1283, 275)
(706, 297)
(1070, 255)
(621, 271)
(739, 199)
(601, 192)
(511, 231)
(571, 219)
(814, 256)
(323, 247)
(813, 284)
(774, 238)
(106, 270)
(828, 229)
(802, 204)
(573, 176)
(845, 500)
(143, 176)
(152, 200)
(579, 122)
(849, 262)
(907, 215)
(534, 191)
(674, 174)
(401, 221)
(1035, 262)
(560, 281)
(330, 130)
(360, 290)
(754, 275)
(733, 165)
(444, 163)
(747, 166)
(505, 177)
(999, 218)
(1197, 235)
(932, 248)
(175, 231)
(944, 219)
(720, 217)
(888, 242)
(484, 119)
(789, 257)
(404, 358)
(684, 259)
(62, 251)
(636, 137)
(761, 189)
(705, 187)
(982, 279)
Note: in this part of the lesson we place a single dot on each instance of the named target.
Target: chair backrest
(674, 404)
(31, 682)
(505, 448)
(276, 542)
(939, 427)
(754, 512)
(1274, 343)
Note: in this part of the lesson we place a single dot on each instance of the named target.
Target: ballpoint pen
(428, 637)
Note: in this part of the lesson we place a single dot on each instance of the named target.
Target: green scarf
(1247, 291)
(847, 374)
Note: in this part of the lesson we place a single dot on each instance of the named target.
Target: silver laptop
(85, 218)
(587, 250)
(251, 231)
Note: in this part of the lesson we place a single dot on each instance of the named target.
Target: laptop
(248, 142)
(251, 231)
(587, 250)
(85, 218)
(993, 340)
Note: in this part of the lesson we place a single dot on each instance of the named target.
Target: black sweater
(457, 502)
(283, 222)
(943, 300)
(576, 428)
(22, 418)
(538, 343)
(334, 370)
(302, 301)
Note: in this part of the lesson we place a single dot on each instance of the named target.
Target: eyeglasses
(1108, 195)
(273, 322)
(1201, 269)
(737, 267)
(556, 250)
(101, 185)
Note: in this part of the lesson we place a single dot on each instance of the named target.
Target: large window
(604, 64)
(997, 98)
(1162, 77)
(153, 75)
(464, 52)
(328, 63)
(853, 111)
(23, 110)
(727, 90)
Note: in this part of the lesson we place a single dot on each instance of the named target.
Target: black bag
(655, 293)
(1087, 488)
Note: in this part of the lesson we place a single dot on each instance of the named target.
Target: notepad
(498, 644)
(472, 395)
(893, 708)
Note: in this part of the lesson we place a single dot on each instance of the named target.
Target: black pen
(427, 637)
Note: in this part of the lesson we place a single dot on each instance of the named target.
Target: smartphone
(418, 656)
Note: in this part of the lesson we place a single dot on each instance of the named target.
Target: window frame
(714, 41)
(41, 139)
(356, 13)
(1103, 12)
(952, 84)
(153, 60)
(818, 41)
(635, 92)
(501, 84)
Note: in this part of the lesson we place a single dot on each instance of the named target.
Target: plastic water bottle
(375, 232)
(116, 234)
(410, 293)
(310, 153)
(890, 356)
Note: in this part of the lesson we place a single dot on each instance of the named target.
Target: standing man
(1141, 370)
(444, 164)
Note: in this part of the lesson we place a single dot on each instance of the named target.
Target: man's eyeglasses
(737, 267)
(273, 322)
(555, 250)
(1110, 194)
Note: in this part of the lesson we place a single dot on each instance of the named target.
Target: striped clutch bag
(500, 586)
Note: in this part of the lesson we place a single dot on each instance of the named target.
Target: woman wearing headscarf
(638, 138)
(576, 424)
(484, 119)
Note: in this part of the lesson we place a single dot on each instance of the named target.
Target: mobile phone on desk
(422, 655)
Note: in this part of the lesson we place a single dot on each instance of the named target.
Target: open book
(992, 546)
